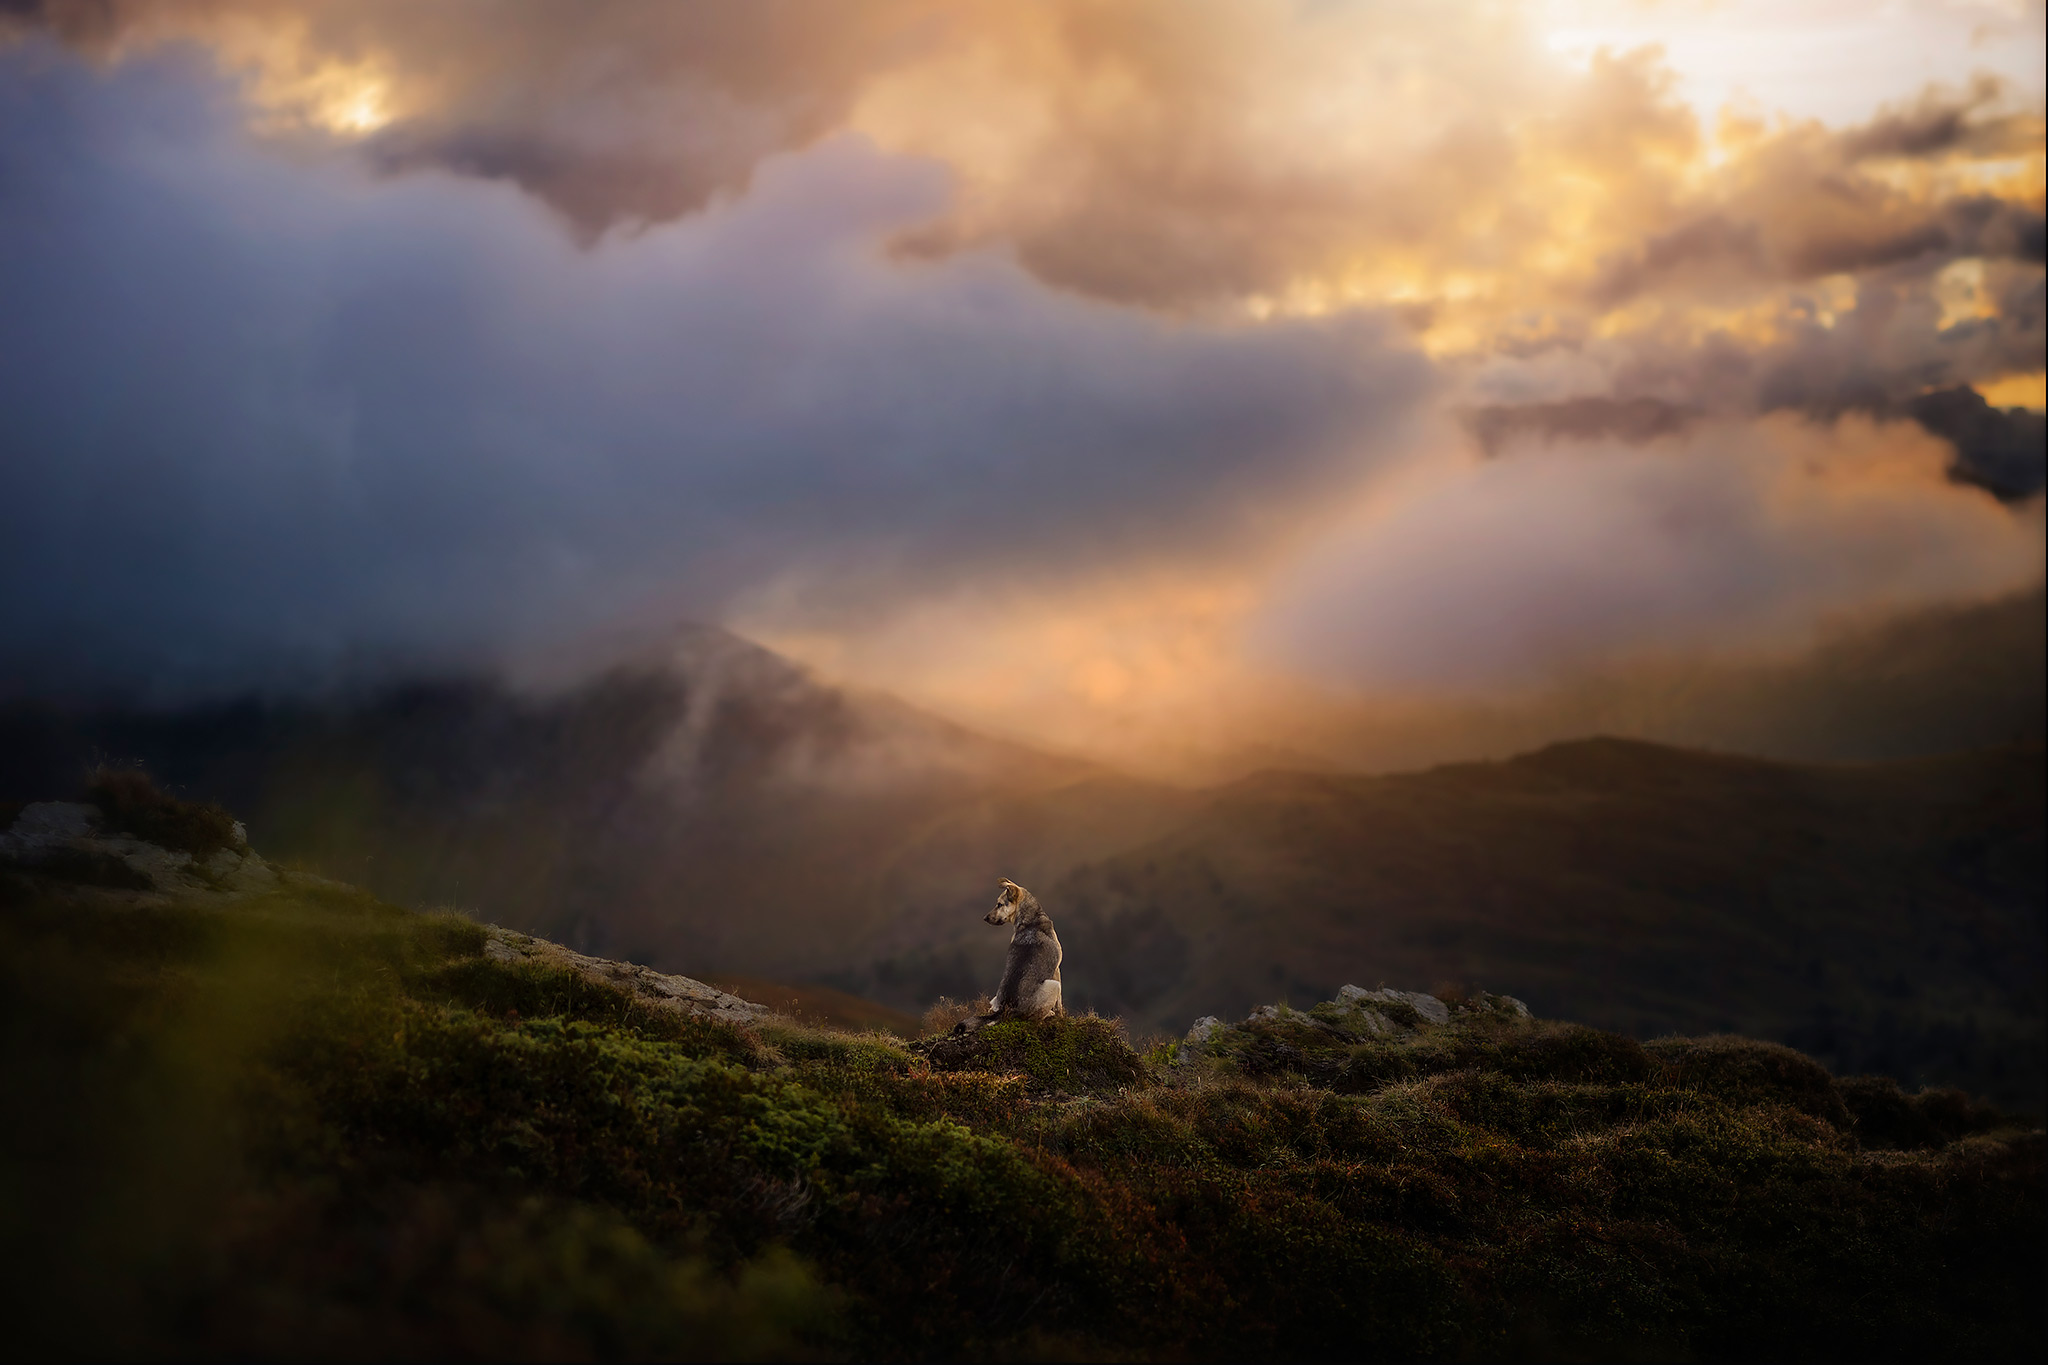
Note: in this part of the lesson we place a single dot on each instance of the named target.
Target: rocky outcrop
(1358, 1012)
(681, 994)
(70, 838)
(1427, 1007)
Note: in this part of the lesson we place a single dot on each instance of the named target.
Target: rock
(1263, 1014)
(44, 825)
(63, 837)
(682, 994)
(1199, 1031)
(165, 868)
(243, 871)
(1426, 1006)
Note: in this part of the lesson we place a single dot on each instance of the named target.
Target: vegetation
(130, 803)
(313, 1123)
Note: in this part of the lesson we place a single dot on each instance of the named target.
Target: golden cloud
(1587, 257)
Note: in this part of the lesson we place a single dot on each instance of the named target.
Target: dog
(1030, 987)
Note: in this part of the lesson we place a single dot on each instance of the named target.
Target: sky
(1095, 371)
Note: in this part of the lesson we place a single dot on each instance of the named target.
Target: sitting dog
(1031, 973)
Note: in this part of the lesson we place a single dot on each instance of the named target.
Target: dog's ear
(1008, 890)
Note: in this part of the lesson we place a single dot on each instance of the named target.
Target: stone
(1199, 1031)
(685, 995)
(44, 825)
(1426, 1006)
(65, 837)
(243, 871)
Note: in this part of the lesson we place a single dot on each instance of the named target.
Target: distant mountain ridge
(1885, 917)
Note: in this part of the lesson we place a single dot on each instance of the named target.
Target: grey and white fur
(1031, 973)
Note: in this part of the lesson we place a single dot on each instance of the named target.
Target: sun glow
(2018, 391)
(357, 109)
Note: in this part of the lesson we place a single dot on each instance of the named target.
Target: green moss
(541, 990)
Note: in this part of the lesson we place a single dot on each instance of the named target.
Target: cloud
(1744, 536)
(2003, 452)
(1055, 325)
(269, 419)
(1174, 153)
(1634, 420)
(610, 111)
(1940, 122)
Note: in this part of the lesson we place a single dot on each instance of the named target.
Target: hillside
(263, 1114)
(1884, 917)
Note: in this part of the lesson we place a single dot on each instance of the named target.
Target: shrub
(1887, 1117)
(1077, 1054)
(1749, 1071)
(947, 1012)
(132, 804)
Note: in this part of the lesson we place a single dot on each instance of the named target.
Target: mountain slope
(710, 808)
(1884, 917)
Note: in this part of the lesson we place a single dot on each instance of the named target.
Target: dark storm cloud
(1634, 420)
(1712, 240)
(2004, 452)
(609, 110)
(1966, 226)
(268, 419)
(1941, 122)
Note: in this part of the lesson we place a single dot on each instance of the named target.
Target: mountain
(1933, 681)
(708, 808)
(1883, 917)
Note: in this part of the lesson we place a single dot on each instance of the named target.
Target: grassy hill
(303, 1121)
(1883, 917)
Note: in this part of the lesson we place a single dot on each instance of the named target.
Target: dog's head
(1009, 898)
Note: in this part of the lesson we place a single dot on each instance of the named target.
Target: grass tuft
(132, 804)
(1076, 1054)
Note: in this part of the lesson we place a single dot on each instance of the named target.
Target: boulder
(47, 824)
(683, 994)
(68, 838)
(1428, 1007)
